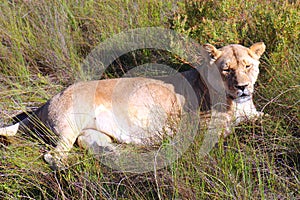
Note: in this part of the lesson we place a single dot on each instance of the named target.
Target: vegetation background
(42, 44)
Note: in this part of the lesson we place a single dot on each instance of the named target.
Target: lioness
(103, 112)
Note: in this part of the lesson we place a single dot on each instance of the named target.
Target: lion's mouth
(241, 99)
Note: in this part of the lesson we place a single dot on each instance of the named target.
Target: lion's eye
(248, 66)
(226, 70)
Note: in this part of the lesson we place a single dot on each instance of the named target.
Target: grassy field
(43, 44)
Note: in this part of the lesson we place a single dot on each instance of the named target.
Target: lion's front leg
(254, 115)
(244, 112)
(216, 122)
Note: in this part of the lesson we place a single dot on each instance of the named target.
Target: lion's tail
(10, 130)
(25, 121)
(23, 124)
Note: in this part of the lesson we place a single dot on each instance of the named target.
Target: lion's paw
(258, 115)
(54, 162)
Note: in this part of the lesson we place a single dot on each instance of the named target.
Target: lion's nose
(241, 87)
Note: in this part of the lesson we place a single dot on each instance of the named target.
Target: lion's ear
(212, 51)
(258, 48)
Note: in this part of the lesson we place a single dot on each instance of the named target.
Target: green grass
(43, 44)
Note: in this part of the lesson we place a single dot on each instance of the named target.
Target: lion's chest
(243, 111)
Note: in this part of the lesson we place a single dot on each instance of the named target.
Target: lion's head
(238, 66)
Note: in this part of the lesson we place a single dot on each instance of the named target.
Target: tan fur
(138, 110)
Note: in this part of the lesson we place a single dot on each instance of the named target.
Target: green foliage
(224, 22)
(44, 42)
